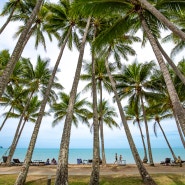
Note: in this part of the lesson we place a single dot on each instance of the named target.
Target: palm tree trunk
(142, 170)
(162, 18)
(24, 170)
(13, 145)
(147, 133)
(28, 37)
(8, 19)
(180, 131)
(18, 131)
(94, 180)
(18, 49)
(101, 128)
(6, 118)
(62, 168)
(178, 109)
(173, 154)
(145, 159)
(170, 62)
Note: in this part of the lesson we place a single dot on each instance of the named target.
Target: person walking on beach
(116, 158)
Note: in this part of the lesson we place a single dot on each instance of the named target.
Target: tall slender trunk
(8, 19)
(169, 146)
(2, 125)
(18, 132)
(180, 131)
(145, 159)
(62, 168)
(147, 133)
(13, 145)
(162, 18)
(178, 108)
(170, 62)
(101, 128)
(28, 37)
(24, 170)
(147, 179)
(18, 49)
(94, 180)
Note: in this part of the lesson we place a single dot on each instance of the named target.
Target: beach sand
(110, 169)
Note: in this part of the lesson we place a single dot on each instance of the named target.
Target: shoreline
(110, 169)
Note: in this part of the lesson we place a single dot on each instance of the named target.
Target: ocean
(159, 154)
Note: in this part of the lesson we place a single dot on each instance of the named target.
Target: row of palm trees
(109, 28)
(137, 74)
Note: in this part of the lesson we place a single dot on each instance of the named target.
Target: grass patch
(161, 179)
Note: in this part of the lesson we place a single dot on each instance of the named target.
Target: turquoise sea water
(159, 154)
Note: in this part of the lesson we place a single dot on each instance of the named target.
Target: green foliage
(104, 180)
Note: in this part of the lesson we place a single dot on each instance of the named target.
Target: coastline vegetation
(161, 179)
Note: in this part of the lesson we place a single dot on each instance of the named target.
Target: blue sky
(81, 137)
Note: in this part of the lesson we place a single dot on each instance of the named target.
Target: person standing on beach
(116, 158)
(120, 159)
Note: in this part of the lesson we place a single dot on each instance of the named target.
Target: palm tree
(143, 172)
(29, 115)
(156, 113)
(133, 112)
(170, 62)
(101, 80)
(163, 98)
(10, 8)
(12, 98)
(35, 80)
(146, 5)
(108, 115)
(178, 18)
(39, 26)
(60, 109)
(14, 84)
(133, 83)
(178, 109)
(54, 26)
(62, 168)
(139, 7)
(18, 49)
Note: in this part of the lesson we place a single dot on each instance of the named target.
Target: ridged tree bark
(62, 168)
(180, 131)
(145, 158)
(147, 133)
(95, 174)
(24, 169)
(18, 132)
(9, 17)
(147, 179)
(145, 4)
(18, 49)
(13, 145)
(170, 62)
(178, 109)
(101, 128)
(169, 146)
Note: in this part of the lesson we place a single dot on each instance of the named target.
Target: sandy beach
(129, 169)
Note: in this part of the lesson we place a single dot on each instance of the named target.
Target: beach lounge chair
(17, 162)
(5, 159)
(122, 163)
(167, 162)
(79, 161)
